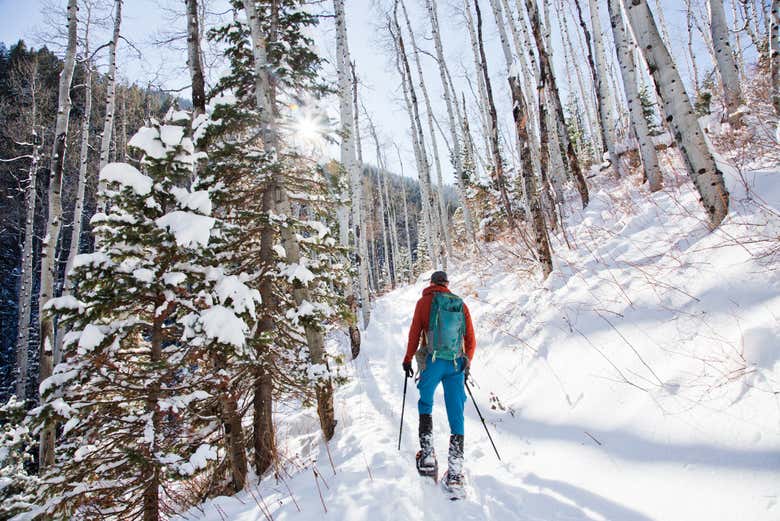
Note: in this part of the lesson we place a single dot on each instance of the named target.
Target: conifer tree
(148, 309)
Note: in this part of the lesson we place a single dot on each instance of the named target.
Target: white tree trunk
(484, 113)
(449, 101)
(740, 54)
(387, 234)
(438, 206)
(26, 275)
(418, 143)
(314, 336)
(602, 87)
(53, 225)
(529, 72)
(108, 120)
(392, 220)
(625, 57)
(195, 59)
(348, 157)
(585, 99)
(729, 74)
(774, 44)
(686, 129)
(553, 95)
(78, 209)
(406, 209)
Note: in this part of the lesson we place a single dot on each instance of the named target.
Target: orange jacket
(420, 323)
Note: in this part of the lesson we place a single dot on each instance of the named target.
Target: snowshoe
(454, 486)
(427, 466)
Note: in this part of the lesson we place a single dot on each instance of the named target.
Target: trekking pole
(403, 405)
(481, 418)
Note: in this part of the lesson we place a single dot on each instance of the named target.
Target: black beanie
(439, 277)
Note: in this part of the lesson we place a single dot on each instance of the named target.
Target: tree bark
(519, 113)
(195, 60)
(78, 210)
(264, 435)
(53, 225)
(151, 470)
(628, 72)
(687, 131)
(729, 74)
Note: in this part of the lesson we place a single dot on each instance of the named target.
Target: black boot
(454, 479)
(426, 457)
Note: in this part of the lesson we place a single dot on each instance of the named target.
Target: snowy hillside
(639, 383)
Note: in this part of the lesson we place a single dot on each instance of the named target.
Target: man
(443, 322)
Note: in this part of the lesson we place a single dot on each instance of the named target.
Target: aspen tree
(601, 78)
(628, 72)
(429, 208)
(30, 71)
(451, 104)
(548, 78)
(81, 180)
(727, 67)
(348, 157)
(686, 129)
(498, 163)
(439, 207)
(108, 119)
(53, 225)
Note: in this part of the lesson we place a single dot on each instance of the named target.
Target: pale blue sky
(381, 85)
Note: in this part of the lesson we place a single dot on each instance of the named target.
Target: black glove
(408, 369)
(466, 368)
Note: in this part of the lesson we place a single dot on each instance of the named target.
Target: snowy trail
(639, 383)
(549, 471)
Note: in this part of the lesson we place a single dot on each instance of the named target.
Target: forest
(203, 287)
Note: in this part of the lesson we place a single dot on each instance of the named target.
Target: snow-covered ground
(640, 382)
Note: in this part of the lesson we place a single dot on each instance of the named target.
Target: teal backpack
(446, 327)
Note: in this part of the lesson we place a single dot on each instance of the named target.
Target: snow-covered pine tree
(18, 489)
(149, 310)
(281, 201)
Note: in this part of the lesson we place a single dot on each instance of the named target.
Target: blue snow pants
(450, 374)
